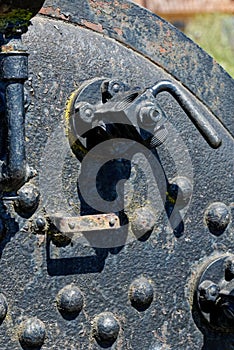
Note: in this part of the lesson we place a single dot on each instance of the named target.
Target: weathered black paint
(36, 267)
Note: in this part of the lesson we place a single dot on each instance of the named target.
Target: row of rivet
(70, 302)
(217, 215)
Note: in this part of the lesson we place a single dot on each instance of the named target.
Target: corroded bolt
(32, 333)
(141, 293)
(208, 295)
(149, 116)
(106, 328)
(111, 88)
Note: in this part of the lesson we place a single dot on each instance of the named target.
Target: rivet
(71, 225)
(112, 222)
(143, 221)
(28, 198)
(32, 333)
(141, 293)
(70, 300)
(116, 88)
(217, 217)
(180, 191)
(89, 113)
(3, 307)
(41, 223)
(106, 328)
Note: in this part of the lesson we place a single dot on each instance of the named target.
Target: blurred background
(210, 23)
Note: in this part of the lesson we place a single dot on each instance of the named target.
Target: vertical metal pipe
(15, 117)
(13, 73)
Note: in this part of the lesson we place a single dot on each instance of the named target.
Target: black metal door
(161, 275)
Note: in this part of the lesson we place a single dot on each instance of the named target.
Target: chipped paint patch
(96, 27)
(54, 12)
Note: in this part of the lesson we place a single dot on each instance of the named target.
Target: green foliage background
(215, 34)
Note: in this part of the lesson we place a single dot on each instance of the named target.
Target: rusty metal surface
(61, 293)
(85, 223)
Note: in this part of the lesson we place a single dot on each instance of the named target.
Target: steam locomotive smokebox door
(116, 182)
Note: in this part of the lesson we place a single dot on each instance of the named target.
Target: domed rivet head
(141, 293)
(143, 221)
(106, 328)
(70, 301)
(40, 223)
(28, 198)
(116, 88)
(3, 307)
(217, 218)
(32, 333)
(180, 192)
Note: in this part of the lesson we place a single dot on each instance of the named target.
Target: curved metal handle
(204, 127)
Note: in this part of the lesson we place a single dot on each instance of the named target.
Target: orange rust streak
(54, 12)
(118, 31)
(162, 50)
(93, 26)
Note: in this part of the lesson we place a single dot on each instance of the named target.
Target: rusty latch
(69, 226)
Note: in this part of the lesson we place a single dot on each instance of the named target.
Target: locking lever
(136, 115)
(198, 120)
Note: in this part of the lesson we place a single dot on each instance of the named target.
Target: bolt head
(208, 291)
(149, 116)
(112, 87)
(85, 111)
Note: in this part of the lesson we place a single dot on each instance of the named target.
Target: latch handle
(201, 123)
